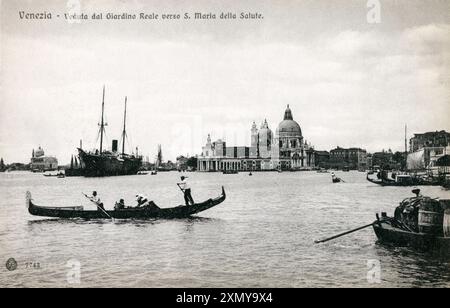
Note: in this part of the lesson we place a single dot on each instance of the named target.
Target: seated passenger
(119, 205)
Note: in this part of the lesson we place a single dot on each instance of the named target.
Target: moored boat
(109, 163)
(419, 222)
(403, 180)
(147, 212)
(388, 232)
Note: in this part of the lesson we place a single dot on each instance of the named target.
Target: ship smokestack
(114, 145)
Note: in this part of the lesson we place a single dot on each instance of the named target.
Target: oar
(342, 180)
(345, 233)
(98, 206)
(180, 188)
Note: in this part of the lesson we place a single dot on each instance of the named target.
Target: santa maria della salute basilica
(284, 150)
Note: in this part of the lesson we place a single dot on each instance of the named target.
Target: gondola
(148, 212)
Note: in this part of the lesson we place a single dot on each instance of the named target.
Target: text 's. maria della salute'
(286, 150)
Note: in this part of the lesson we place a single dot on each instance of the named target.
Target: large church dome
(288, 126)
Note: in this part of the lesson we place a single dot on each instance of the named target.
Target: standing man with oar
(186, 189)
(98, 203)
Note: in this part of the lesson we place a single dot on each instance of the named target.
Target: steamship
(109, 163)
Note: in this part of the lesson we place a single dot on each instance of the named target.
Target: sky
(352, 79)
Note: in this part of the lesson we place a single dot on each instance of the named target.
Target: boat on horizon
(404, 180)
(109, 163)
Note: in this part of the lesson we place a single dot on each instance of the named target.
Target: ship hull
(108, 165)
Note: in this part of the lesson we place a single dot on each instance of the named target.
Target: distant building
(284, 150)
(429, 139)
(426, 158)
(426, 149)
(321, 159)
(383, 159)
(41, 163)
(352, 158)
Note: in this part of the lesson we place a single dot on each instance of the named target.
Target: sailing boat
(158, 161)
(109, 163)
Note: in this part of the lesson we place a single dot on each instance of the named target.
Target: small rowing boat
(147, 212)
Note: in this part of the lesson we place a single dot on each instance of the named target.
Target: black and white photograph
(218, 145)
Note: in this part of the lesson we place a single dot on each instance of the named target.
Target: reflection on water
(261, 236)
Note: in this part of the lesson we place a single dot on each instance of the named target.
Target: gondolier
(95, 199)
(184, 186)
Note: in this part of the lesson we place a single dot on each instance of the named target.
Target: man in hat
(95, 199)
(186, 190)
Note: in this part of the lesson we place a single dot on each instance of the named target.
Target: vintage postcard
(225, 144)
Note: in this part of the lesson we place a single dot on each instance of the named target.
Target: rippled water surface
(261, 236)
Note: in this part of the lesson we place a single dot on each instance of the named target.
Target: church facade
(284, 150)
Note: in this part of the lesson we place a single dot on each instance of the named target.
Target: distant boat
(106, 163)
(142, 172)
(403, 180)
(230, 172)
(50, 174)
(322, 171)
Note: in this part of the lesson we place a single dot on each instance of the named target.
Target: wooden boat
(51, 174)
(390, 231)
(336, 180)
(148, 212)
(419, 222)
(402, 180)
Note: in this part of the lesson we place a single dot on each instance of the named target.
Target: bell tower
(254, 142)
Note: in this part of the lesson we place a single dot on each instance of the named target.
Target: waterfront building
(426, 158)
(352, 158)
(383, 159)
(41, 163)
(321, 159)
(429, 139)
(426, 149)
(284, 150)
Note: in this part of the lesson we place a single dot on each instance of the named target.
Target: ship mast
(406, 149)
(102, 124)
(124, 133)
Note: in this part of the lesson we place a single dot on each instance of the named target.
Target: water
(261, 236)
